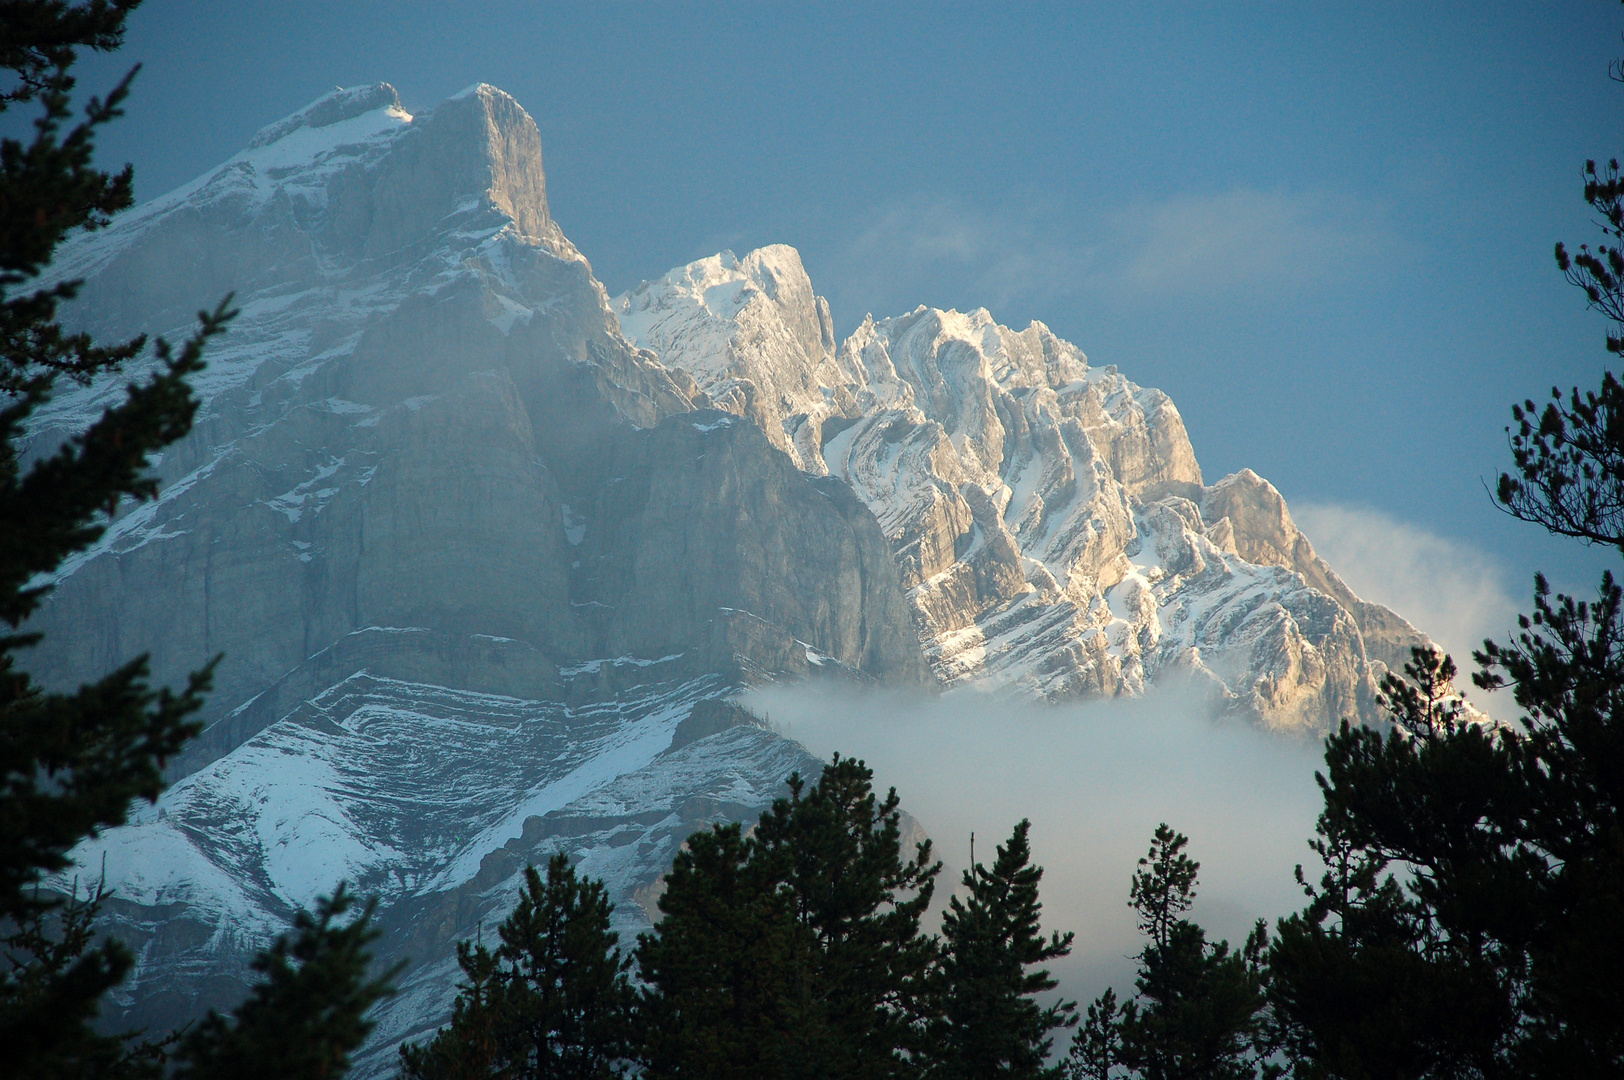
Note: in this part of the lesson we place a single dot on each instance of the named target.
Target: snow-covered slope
(432, 800)
(1047, 516)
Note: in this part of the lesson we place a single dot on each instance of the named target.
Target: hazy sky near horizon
(1325, 232)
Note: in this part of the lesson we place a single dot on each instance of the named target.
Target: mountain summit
(1048, 517)
(488, 553)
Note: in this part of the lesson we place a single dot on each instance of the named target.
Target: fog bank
(1095, 779)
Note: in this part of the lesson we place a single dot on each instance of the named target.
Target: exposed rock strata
(1047, 517)
(472, 559)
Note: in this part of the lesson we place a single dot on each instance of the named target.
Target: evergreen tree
(306, 1014)
(1200, 1011)
(70, 764)
(991, 1026)
(552, 1003)
(1382, 978)
(1500, 951)
(722, 966)
(796, 951)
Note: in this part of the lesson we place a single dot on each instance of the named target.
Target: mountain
(488, 554)
(1048, 518)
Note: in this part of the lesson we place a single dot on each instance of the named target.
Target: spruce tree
(1199, 1011)
(72, 763)
(553, 1002)
(991, 1026)
(796, 951)
(306, 1014)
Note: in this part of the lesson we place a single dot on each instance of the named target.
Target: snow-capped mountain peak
(1046, 515)
(334, 107)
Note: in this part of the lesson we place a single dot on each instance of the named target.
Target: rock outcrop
(470, 557)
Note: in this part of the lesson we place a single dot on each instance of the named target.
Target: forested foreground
(1467, 920)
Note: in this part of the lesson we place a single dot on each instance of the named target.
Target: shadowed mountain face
(486, 552)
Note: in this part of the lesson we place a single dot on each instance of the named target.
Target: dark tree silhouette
(991, 1026)
(1470, 922)
(553, 1002)
(795, 952)
(1199, 1011)
(1380, 977)
(306, 1014)
(72, 763)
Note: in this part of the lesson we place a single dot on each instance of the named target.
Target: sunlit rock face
(486, 554)
(1048, 518)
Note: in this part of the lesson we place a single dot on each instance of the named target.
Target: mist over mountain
(490, 555)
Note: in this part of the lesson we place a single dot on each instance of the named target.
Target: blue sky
(1325, 231)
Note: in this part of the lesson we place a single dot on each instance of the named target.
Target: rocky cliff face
(1048, 518)
(471, 558)
(487, 554)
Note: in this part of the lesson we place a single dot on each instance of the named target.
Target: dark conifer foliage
(795, 952)
(1414, 978)
(69, 763)
(72, 763)
(1570, 460)
(553, 1002)
(858, 905)
(991, 1025)
(49, 188)
(1200, 1011)
(1499, 951)
(1566, 829)
(1569, 455)
(306, 1014)
(724, 966)
(1497, 948)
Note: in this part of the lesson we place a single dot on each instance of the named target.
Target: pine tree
(991, 1026)
(1200, 1011)
(70, 764)
(795, 952)
(722, 966)
(1413, 978)
(308, 1011)
(553, 1002)
(838, 852)
(1497, 948)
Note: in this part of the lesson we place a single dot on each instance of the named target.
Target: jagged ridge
(1047, 516)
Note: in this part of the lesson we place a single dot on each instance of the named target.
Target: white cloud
(945, 252)
(1209, 245)
(1031, 253)
(1449, 590)
(1095, 779)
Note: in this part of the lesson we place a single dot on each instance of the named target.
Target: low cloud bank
(1451, 591)
(1095, 779)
